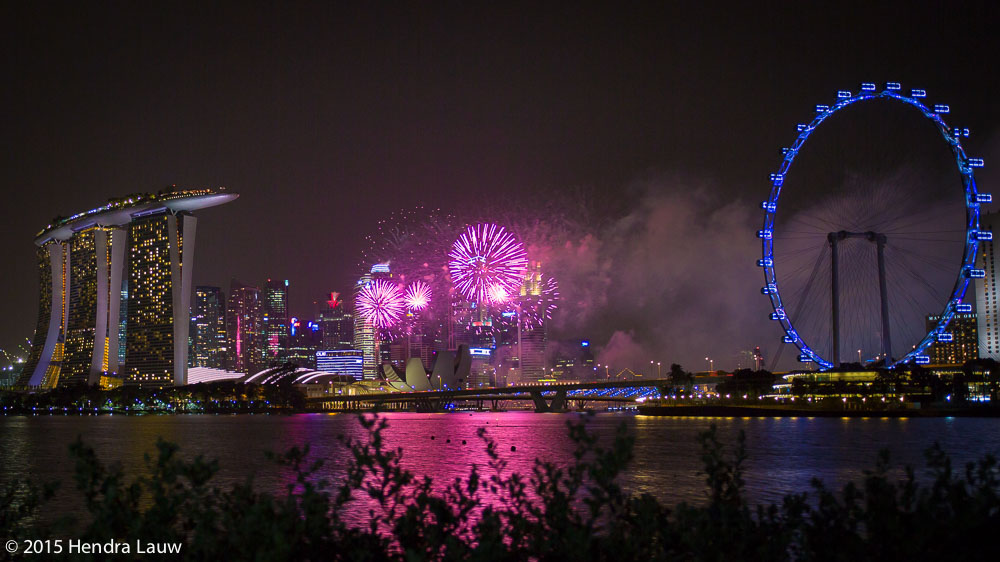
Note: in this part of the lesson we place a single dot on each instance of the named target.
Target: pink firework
(538, 305)
(487, 264)
(417, 296)
(381, 303)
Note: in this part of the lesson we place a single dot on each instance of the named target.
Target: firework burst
(417, 295)
(487, 264)
(381, 303)
(538, 305)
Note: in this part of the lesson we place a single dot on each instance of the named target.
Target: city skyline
(668, 131)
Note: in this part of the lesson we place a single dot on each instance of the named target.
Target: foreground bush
(574, 512)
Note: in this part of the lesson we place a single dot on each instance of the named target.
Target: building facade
(275, 301)
(964, 344)
(336, 323)
(987, 306)
(161, 258)
(245, 328)
(208, 328)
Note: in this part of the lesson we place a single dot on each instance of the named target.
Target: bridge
(555, 397)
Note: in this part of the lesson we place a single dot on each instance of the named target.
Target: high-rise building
(987, 305)
(245, 328)
(963, 345)
(141, 245)
(336, 323)
(305, 339)
(161, 256)
(364, 331)
(208, 328)
(275, 300)
(532, 336)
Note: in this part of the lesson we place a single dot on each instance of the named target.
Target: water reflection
(784, 453)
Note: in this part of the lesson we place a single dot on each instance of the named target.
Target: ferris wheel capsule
(868, 86)
(963, 308)
(921, 360)
(893, 86)
(945, 337)
(984, 198)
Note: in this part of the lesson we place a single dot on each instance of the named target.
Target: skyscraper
(364, 332)
(245, 328)
(141, 243)
(275, 300)
(964, 344)
(336, 323)
(987, 307)
(161, 258)
(208, 328)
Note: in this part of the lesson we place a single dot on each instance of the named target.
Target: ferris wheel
(872, 251)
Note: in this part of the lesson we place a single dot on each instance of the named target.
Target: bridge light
(893, 86)
(868, 86)
(918, 93)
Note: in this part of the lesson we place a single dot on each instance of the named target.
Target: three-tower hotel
(115, 291)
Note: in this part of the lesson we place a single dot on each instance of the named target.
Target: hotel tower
(144, 242)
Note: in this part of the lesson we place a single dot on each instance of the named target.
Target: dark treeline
(226, 397)
(572, 512)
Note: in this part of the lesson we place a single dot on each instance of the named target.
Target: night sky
(326, 117)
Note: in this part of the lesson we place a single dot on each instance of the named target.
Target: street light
(711, 364)
(859, 356)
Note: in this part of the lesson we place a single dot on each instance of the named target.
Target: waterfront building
(275, 300)
(142, 246)
(964, 344)
(344, 362)
(208, 328)
(987, 305)
(245, 328)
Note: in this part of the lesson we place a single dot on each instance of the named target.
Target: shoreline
(779, 412)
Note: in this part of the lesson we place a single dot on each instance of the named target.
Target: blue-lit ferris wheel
(784, 312)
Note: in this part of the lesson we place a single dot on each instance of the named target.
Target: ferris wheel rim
(973, 200)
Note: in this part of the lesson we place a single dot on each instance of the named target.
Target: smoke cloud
(671, 280)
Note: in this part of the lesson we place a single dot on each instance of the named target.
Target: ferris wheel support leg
(835, 296)
(886, 342)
